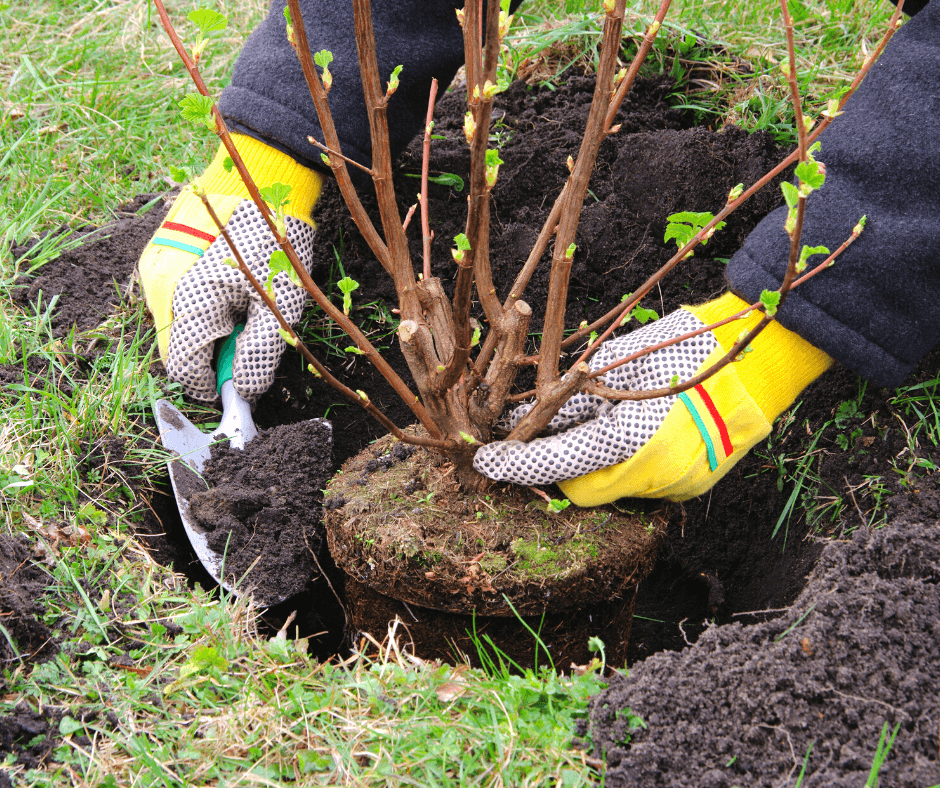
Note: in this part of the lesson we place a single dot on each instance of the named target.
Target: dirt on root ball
(262, 508)
(742, 707)
(399, 525)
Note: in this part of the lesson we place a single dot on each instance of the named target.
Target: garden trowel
(193, 446)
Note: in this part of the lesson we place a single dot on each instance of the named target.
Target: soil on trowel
(262, 508)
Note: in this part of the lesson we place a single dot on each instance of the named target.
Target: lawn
(151, 681)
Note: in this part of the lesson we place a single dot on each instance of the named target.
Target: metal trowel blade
(179, 435)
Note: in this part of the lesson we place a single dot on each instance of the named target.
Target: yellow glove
(676, 447)
(196, 298)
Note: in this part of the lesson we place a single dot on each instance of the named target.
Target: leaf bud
(832, 109)
(460, 15)
(736, 192)
(505, 20)
(362, 395)
(313, 371)
(469, 127)
(570, 164)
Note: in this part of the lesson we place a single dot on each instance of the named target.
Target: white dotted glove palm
(601, 433)
(212, 297)
(675, 447)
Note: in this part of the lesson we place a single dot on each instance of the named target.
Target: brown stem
(487, 405)
(549, 403)
(651, 32)
(425, 161)
(481, 67)
(407, 220)
(330, 136)
(554, 328)
(310, 286)
(331, 153)
(376, 105)
(321, 371)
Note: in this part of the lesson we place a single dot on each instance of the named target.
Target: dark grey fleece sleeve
(268, 96)
(877, 310)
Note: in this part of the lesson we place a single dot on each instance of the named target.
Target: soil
(744, 705)
(21, 587)
(726, 559)
(262, 508)
(412, 545)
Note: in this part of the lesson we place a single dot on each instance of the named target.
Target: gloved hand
(196, 298)
(675, 447)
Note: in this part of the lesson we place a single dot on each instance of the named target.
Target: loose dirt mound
(857, 648)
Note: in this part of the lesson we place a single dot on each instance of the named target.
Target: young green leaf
(492, 166)
(463, 243)
(644, 315)
(347, 287)
(805, 254)
(197, 109)
(558, 504)
(771, 300)
(180, 174)
(444, 179)
(227, 164)
(277, 195)
(811, 174)
(323, 58)
(791, 194)
(280, 264)
(353, 349)
(683, 226)
(207, 20)
(393, 81)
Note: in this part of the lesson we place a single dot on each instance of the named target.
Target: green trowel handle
(223, 367)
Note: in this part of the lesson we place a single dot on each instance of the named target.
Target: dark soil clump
(22, 584)
(858, 648)
(262, 508)
(30, 735)
(89, 279)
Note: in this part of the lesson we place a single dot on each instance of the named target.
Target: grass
(160, 684)
(702, 44)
